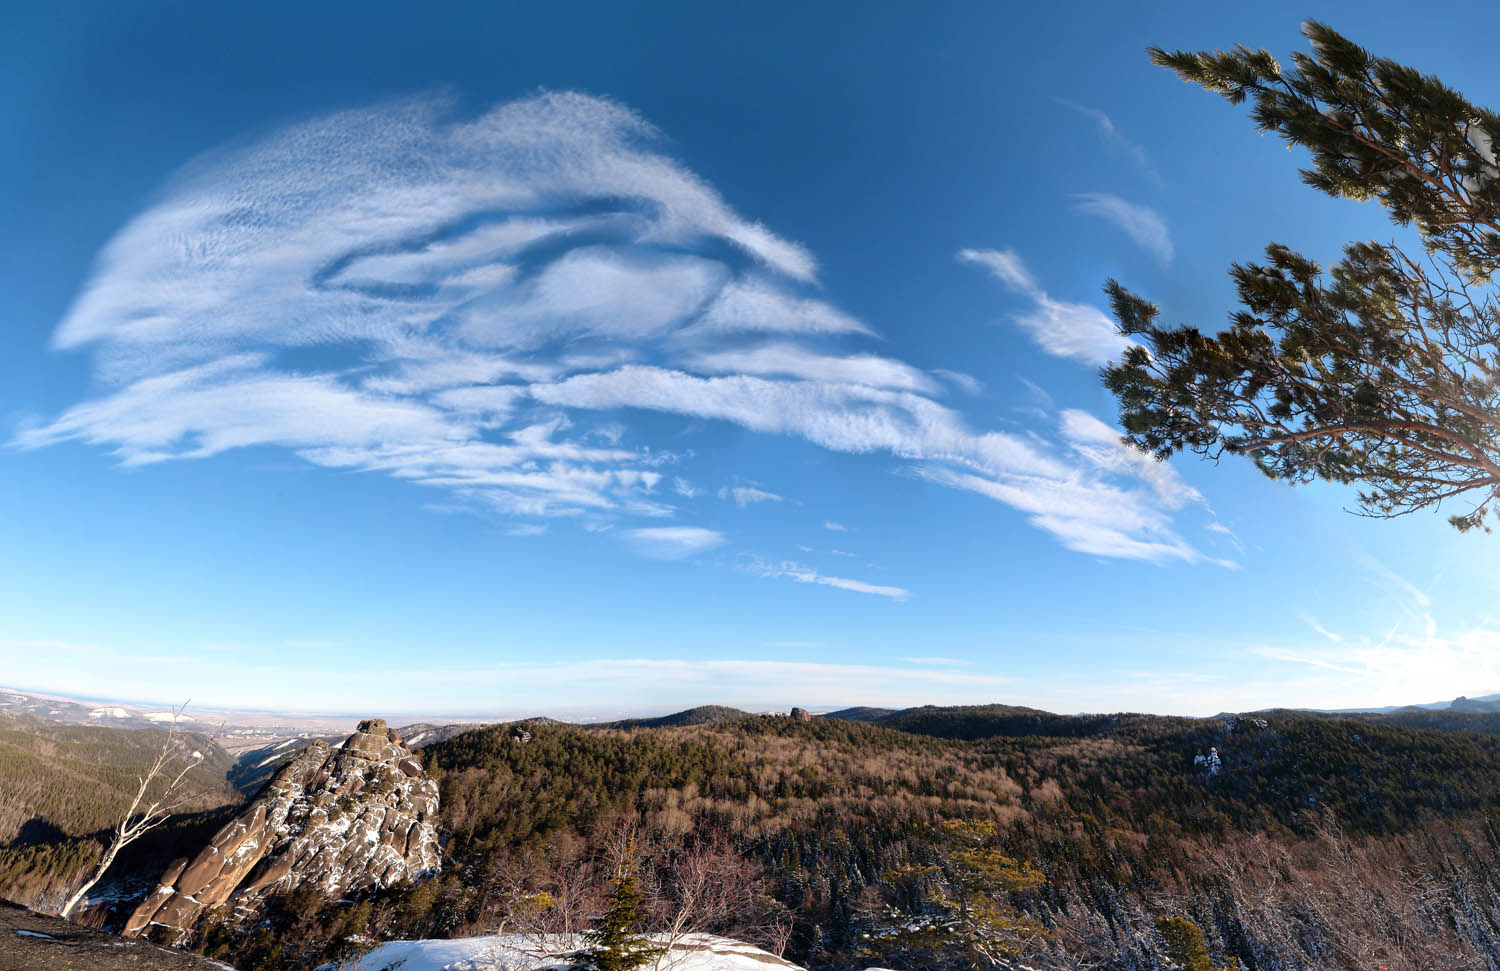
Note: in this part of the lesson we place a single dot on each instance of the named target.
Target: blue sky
(592, 358)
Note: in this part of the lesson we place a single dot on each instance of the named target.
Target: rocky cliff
(339, 819)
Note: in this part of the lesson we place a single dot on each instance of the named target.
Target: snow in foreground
(694, 952)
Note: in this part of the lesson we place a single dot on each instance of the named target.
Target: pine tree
(1186, 947)
(613, 942)
(958, 913)
(1383, 372)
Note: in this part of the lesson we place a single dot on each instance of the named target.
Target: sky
(590, 358)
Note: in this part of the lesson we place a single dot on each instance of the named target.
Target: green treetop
(1383, 372)
(614, 943)
(1186, 947)
(958, 913)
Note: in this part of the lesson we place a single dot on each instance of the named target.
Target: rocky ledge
(30, 941)
(338, 819)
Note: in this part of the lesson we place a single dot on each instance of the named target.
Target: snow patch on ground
(693, 952)
(109, 713)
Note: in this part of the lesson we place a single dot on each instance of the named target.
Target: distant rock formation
(801, 715)
(339, 819)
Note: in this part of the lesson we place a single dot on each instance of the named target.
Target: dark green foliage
(1382, 372)
(702, 715)
(989, 721)
(861, 713)
(614, 942)
(1185, 945)
(957, 912)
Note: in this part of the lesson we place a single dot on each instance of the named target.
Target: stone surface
(801, 715)
(30, 941)
(340, 819)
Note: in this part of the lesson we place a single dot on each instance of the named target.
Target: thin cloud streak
(1064, 329)
(674, 542)
(801, 573)
(1141, 223)
(1111, 134)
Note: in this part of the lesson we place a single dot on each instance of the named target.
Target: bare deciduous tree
(146, 811)
(708, 886)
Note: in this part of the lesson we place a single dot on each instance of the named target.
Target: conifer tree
(614, 943)
(958, 913)
(1382, 372)
(1186, 947)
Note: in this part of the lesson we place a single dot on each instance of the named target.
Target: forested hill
(1259, 829)
(1267, 831)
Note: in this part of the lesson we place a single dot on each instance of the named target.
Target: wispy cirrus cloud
(674, 542)
(1076, 330)
(1112, 135)
(747, 495)
(801, 573)
(488, 306)
(1141, 223)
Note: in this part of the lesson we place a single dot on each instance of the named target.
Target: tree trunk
(104, 864)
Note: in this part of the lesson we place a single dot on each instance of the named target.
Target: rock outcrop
(339, 819)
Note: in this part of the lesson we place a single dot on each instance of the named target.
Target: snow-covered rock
(337, 818)
(692, 952)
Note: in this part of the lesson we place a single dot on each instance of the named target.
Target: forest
(1278, 837)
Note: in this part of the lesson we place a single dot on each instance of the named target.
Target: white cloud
(748, 495)
(1097, 514)
(798, 362)
(1111, 133)
(757, 304)
(841, 417)
(438, 299)
(232, 403)
(966, 383)
(674, 542)
(800, 573)
(1065, 329)
(836, 527)
(593, 292)
(1103, 448)
(1141, 223)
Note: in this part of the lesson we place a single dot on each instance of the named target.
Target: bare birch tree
(146, 812)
